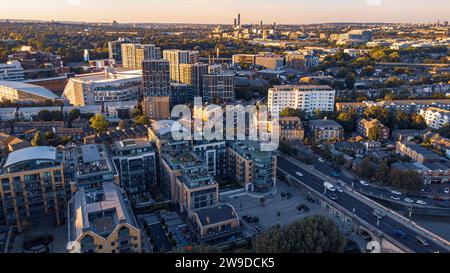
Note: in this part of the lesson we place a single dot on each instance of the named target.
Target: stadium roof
(30, 88)
(31, 153)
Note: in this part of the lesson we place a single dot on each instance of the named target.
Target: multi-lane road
(361, 209)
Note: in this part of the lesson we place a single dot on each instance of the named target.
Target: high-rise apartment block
(177, 57)
(308, 98)
(134, 54)
(192, 74)
(218, 88)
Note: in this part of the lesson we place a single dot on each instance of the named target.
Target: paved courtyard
(275, 210)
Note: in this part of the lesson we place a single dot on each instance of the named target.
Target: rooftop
(31, 153)
(30, 89)
(216, 214)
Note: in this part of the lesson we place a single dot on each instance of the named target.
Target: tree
(347, 120)
(418, 122)
(350, 82)
(366, 169)
(38, 139)
(317, 234)
(99, 123)
(367, 71)
(382, 174)
(378, 112)
(142, 120)
(136, 112)
(407, 180)
(57, 115)
(44, 115)
(401, 120)
(73, 115)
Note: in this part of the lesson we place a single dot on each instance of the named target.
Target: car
(339, 189)
(304, 207)
(421, 241)
(364, 183)
(446, 190)
(299, 174)
(329, 186)
(396, 192)
(400, 233)
(321, 160)
(408, 200)
(438, 198)
(396, 198)
(335, 174)
(333, 197)
(420, 202)
(378, 214)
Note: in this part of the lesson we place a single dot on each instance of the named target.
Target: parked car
(299, 174)
(396, 192)
(408, 200)
(321, 160)
(335, 174)
(420, 202)
(339, 189)
(446, 190)
(396, 198)
(364, 183)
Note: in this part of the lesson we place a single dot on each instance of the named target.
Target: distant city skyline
(224, 12)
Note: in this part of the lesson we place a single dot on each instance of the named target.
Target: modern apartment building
(180, 93)
(219, 87)
(435, 118)
(176, 58)
(192, 74)
(308, 98)
(134, 54)
(192, 187)
(33, 186)
(102, 221)
(269, 60)
(407, 106)
(214, 154)
(325, 130)
(11, 71)
(89, 166)
(110, 86)
(156, 88)
(250, 167)
(135, 161)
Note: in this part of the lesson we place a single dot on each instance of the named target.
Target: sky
(224, 11)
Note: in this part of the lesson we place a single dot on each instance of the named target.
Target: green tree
(57, 115)
(99, 123)
(401, 120)
(378, 112)
(418, 122)
(366, 169)
(136, 112)
(142, 120)
(347, 120)
(38, 139)
(350, 82)
(73, 115)
(407, 180)
(382, 174)
(44, 115)
(317, 234)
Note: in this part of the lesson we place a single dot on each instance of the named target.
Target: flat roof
(30, 88)
(216, 214)
(31, 153)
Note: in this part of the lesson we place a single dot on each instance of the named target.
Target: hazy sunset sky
(224, 11)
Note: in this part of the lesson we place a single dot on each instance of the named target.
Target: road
(361, 209)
